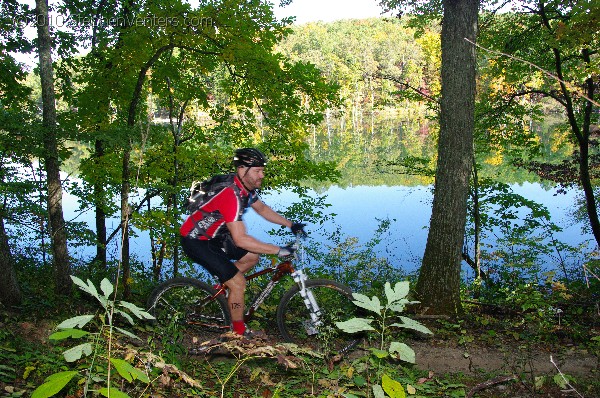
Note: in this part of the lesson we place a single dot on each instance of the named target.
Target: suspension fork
(309, 300)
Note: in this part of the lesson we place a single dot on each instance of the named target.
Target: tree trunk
(583, 140)
(125, 174)
(438, 285)
(58, 235)
(99, 205)
(125, 214)
(10, 294)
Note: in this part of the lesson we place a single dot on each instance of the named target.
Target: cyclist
(223, 246)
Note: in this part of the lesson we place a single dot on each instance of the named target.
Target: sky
(328, 10)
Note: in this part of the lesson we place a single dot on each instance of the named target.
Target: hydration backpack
(203, 191)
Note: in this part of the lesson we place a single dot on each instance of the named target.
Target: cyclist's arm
(247, 242)
(270, 215)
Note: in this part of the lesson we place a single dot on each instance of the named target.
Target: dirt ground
(442, 358)
(501, 369)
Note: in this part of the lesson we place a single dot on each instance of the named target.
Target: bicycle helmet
(249, 157)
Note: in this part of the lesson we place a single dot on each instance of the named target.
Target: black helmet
(249, 157)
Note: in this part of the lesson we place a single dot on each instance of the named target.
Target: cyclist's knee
(247, 262)
(238, 282)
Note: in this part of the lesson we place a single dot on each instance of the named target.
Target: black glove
(286, 251)
(298, 229)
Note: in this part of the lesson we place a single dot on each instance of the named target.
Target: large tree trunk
(125, 214)
(438, 286)
(58, 234)
(99, 205)
(10, 294)
(583, 138)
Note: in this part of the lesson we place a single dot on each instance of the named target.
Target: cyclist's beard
(250, 183)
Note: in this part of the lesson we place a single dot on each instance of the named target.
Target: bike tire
(185, 314)
(335, 302)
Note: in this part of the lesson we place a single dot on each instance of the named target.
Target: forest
(127, 103)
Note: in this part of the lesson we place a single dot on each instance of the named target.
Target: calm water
(359, 207)
(357, 210)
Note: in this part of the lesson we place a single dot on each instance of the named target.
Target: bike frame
(279, 271)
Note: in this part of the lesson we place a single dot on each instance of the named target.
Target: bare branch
(405, 84)
(571, 86)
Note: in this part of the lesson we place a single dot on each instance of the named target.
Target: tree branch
(405, 84)
(571, 87)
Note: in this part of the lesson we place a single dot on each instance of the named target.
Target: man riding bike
(215, 235)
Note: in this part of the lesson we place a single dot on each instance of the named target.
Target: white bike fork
(311, 325)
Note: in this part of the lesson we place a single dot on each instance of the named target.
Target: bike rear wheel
(335, 303)
(186, 312)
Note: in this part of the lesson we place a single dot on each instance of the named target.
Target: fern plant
(96, 346)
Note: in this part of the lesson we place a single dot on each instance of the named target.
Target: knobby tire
(183, 314)
(335, 302)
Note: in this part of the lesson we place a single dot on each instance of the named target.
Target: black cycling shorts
(214, 255)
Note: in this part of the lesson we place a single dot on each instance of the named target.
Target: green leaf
(126, 316)
(399, 292)
(402, 351)
(398, 306)
(379, 353)
(106, 287)
(355, 325)
(112, 393)
(66, 333)
(128, 371)
(123, 367)
(138, 374)
(392, 387)
(88, 288)
(127, 333)
(77, 321)
(75, 353)
(560, 381)
(412, 324)
(137, 311)
(53, 384)
(363, 301)
(378, 391)
(359, 381)
(80, 283)
(539, 382)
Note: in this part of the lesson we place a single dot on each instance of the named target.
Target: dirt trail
(442, 358)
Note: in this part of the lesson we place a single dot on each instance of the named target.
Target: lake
(357, 210)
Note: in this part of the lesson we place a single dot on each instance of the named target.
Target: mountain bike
(195, 311)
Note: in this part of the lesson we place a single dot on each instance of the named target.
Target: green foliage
(523, 232)
(98, 343)
(396, 303)
(377, 65)
(352, 262)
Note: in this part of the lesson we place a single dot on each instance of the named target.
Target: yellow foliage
(495, 160)
(559, 139)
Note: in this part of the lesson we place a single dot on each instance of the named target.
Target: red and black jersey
(209, 221)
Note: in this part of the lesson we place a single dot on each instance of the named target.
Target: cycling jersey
(209, 221)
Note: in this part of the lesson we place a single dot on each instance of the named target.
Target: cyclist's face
(252, 176)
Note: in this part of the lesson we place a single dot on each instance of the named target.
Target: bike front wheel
(187, 311)
(335, 304)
